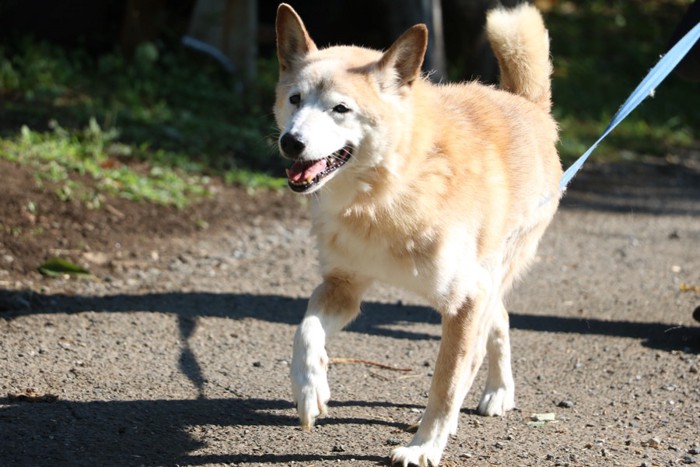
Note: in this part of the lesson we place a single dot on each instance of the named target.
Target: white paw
(422, 456)
(497, 401)
(309, 381)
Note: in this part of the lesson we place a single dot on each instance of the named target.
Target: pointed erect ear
(293, 42)
(401, 64)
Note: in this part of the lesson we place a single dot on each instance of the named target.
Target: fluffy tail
(521, 45)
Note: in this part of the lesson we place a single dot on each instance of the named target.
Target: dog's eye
(341, 109)
(295, 99)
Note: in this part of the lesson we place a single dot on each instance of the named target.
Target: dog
(444, 190)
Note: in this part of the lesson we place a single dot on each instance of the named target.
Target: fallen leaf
(58, 266)
(689, 287)
(543, 417)
(538, 420)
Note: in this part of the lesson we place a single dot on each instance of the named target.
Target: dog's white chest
(431, 266)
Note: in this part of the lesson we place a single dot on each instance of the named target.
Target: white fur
(308, 371)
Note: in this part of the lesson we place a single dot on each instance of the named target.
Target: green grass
(151, 130)
(601, 51)
(58, 154)
(157, 128)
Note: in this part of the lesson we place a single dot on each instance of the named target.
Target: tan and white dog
(442, 189)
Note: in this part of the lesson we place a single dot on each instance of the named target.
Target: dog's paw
(310, 385)
(421, 456)
(497, 401)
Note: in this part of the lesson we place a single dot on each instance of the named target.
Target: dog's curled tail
(520, 42)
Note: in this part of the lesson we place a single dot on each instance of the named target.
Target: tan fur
(447, 193)
(517, 40)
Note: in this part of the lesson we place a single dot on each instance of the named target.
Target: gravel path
(180, 355)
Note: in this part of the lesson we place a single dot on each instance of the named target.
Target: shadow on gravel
(167, 432)
(157, 432)
(382, 319)
(660, 336)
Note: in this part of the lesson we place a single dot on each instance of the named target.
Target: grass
(158, 128)
(601, 51)
(155, 129)
(58, 155)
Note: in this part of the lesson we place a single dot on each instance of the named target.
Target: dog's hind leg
(333, 304)
(499, 393)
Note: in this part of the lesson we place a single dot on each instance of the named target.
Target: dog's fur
(442, 189)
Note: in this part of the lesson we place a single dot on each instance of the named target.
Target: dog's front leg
(333, 304)
(462, 350)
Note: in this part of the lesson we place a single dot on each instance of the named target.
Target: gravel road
(179, 355)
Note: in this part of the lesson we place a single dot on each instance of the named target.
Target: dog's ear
(400, 65)
(293, 42)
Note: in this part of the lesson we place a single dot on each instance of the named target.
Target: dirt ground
(176, 350)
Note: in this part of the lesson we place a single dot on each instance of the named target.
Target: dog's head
(338, 108)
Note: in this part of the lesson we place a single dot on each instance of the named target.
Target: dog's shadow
(157, 432)
(381, 319)
(143, 432)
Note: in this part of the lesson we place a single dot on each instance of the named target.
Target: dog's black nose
(291, 146)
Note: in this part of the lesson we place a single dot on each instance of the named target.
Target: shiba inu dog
(442, 189)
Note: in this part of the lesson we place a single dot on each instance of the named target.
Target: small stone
(338, 448)
(393, 441)
(96, 257)
(652, 443)
(688, 459)
(565, 404)
(694, 450)
(257, 364)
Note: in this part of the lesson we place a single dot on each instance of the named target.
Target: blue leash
(657, 74)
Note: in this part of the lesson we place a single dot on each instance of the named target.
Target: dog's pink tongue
(301, 171)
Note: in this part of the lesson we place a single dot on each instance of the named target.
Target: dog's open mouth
(303, 175)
